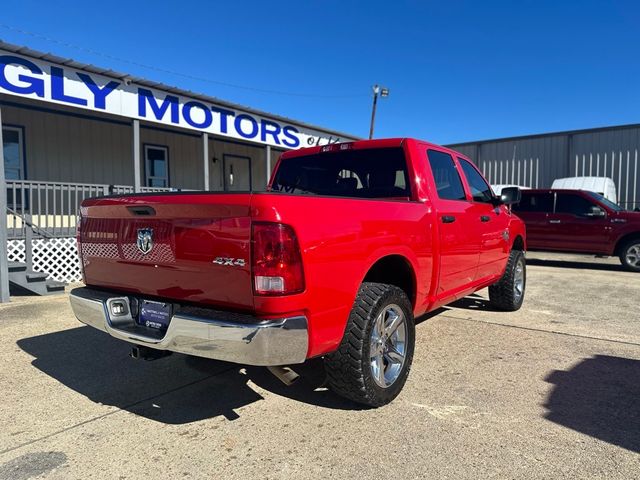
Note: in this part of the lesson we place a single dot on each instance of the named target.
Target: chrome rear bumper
(203, 332)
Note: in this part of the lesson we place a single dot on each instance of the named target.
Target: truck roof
(362, 144)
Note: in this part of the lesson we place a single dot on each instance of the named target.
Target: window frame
(22, 149)
(147, 168)
(492, 199)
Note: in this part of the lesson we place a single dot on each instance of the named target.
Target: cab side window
(445, 174)
(573, 204)
(480, 189)
(535, 202)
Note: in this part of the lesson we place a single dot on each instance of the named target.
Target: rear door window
(480, 189)
(445, 174)
(541, 202)
(366, 173)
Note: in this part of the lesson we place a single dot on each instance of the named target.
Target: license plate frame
(153, 314)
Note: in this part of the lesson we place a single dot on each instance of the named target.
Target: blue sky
(457, 71)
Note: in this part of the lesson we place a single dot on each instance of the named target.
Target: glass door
(237, 173)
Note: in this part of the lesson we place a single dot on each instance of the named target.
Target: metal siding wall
(526, 162)
(532, 162)
(185, 157)
(69, 149)
(467, 151)
(613, 154)
(540, 160)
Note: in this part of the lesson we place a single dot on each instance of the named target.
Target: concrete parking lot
(552, 391)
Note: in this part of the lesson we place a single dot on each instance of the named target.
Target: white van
(602, 185)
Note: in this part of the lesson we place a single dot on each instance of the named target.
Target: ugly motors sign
(36, 79)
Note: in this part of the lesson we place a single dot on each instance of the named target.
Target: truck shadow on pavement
(608, 267)
(600, 397)
(176, 389)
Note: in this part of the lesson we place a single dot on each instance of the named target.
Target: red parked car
(349, 244)
(580, 221)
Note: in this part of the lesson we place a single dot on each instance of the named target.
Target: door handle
(448, 219)
(485, 218)
(555, 221)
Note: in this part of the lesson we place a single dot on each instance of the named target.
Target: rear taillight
(276, 260)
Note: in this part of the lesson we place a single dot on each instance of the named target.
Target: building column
(268, 162)
(4, 262)
(205, 159)
(137, 183)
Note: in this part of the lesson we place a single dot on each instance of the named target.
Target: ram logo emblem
(145, 240)
(230, 262)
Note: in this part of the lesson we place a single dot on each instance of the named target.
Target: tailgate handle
(143, 210)
(485, 218)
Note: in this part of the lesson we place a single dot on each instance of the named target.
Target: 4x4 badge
(505, 235)
(233, 262)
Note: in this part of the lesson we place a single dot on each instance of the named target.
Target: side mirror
(510, 195)
(596, 212)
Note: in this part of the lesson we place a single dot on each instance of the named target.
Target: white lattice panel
(58, 257)
(15, 251)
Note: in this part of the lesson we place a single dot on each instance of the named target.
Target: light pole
(383, 92)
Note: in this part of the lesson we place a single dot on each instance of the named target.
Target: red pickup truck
(349, 244)
(579, 221)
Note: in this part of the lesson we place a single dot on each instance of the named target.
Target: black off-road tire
(503, 295)
(624, 251)
(348, 368)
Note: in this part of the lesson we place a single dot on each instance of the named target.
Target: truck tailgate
(185, 247)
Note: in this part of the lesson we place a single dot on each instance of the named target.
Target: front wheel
(630, 255)
(508, 293)
(373, 360)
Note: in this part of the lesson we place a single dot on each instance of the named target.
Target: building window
(13, 149)
(156, 166)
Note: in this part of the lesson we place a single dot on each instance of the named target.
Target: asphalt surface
(552, 391)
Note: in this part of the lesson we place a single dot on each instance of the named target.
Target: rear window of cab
(362, 173)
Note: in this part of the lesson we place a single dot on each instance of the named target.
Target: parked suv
(580, 221)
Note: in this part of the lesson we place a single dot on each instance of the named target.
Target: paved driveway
(552, 391)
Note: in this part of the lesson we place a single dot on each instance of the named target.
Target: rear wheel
(373, 361)
(508, 293)
(630, 255)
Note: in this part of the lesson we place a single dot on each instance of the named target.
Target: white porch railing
(41, 223)
(51, 207)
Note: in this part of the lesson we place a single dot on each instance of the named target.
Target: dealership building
(72, 131)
